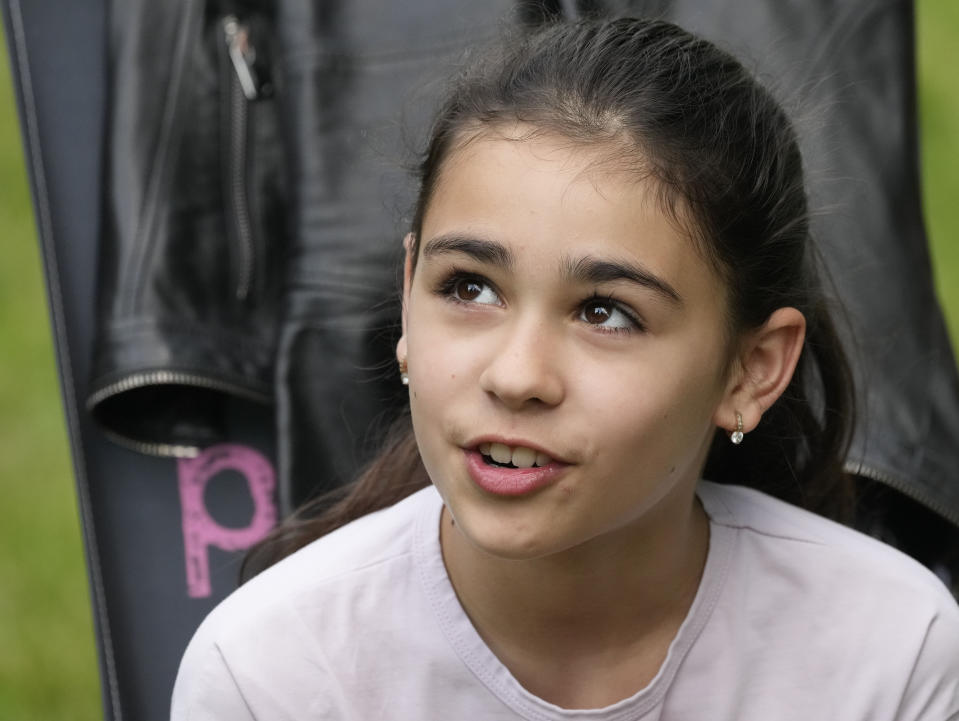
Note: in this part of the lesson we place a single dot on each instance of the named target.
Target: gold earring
(737, 435)
(404, 375)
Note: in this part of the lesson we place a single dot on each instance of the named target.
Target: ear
(764, 367)
(401, 350)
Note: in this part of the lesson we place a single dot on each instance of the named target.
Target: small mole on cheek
(672, 470)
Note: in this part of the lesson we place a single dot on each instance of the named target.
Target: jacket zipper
(165, 377)
(242, 92)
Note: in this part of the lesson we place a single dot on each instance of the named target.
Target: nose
(525, 370)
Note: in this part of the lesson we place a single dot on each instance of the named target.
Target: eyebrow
(482, 249)
(588, 269)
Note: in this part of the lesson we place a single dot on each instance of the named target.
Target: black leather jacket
(233, 271)
(195, 223)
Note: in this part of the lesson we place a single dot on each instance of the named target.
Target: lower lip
(510, 481)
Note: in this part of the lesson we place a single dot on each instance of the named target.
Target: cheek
(439, 372)
(441, 353)
(661, 407)
(428, 424)
(436, 369)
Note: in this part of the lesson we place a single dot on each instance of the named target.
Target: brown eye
(609, 316)
(470, 289)
(597, 313)
(467, 289)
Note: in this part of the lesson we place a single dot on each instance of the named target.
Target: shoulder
(769, 526)
(803, 581)
(282, 626)
(357, 549)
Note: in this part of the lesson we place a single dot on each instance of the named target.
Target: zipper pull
(242, 54)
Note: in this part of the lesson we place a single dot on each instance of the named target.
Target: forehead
(558, 198)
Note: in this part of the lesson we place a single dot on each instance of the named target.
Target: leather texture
(847, 72)
(194, 224)
(845, 69)
(355, 84)
(361, 79)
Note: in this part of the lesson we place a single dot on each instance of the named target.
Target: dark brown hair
(726, 159)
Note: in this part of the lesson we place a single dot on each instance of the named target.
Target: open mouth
(504, 470)
(502, 456)
(488, 460)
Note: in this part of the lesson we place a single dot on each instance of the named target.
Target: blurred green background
(48, 665)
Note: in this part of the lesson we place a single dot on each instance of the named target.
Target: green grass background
(48, 665)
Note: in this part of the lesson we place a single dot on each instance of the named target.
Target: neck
(615, 601)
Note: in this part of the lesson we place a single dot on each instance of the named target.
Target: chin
(516, 541)
(510, 551)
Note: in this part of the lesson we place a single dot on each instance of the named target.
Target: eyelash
(608, 300)
(446, 288)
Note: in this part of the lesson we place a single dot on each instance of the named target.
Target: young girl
(608, 297)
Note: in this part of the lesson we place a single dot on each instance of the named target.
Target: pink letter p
(200, 530)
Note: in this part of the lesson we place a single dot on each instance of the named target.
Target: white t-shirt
(796, 617)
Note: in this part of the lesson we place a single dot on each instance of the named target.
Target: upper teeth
(519, 456)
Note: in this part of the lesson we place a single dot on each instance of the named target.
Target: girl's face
(558, 319)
